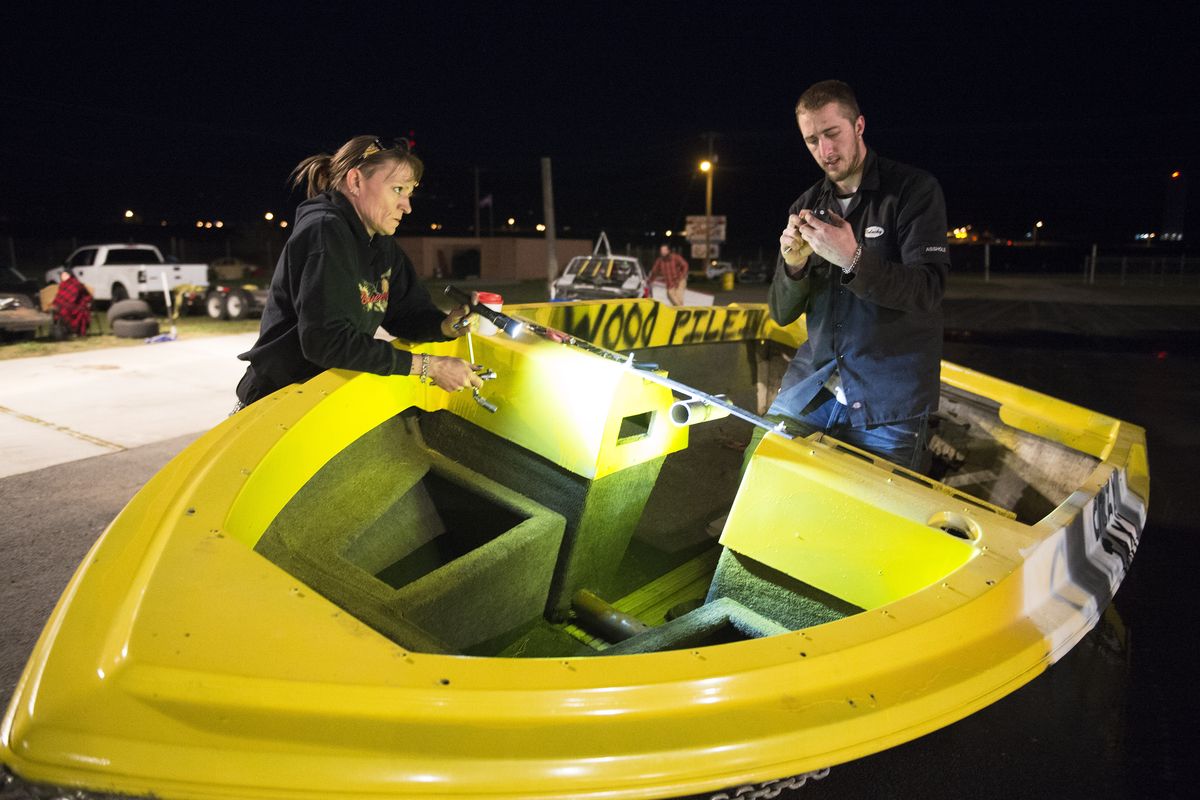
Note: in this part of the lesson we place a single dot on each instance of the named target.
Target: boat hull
(181, 662)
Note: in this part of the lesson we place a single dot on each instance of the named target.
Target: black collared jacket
(880, 326)
(333, 287)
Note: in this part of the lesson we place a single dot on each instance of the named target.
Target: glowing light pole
(706, 167)
(1037, 226)
(269, 217)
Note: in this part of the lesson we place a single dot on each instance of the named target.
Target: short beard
(854, 166)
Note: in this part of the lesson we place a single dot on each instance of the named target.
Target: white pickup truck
(119, 271)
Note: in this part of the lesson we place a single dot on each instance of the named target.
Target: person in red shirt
(72, 307)
(671, 269)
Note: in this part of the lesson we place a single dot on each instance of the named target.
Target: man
(864, 256)
(671, 269)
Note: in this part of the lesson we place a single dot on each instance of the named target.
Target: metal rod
(601, 618)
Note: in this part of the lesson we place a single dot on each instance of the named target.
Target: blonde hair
(323, 172)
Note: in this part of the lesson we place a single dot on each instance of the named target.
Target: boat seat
(428, 552)
(601, 515)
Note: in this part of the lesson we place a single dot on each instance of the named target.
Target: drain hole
(957, 525)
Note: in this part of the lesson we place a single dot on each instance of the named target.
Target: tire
(129, 309)
(135, 328)
(238, 304)
(214, 305)
(119, 293)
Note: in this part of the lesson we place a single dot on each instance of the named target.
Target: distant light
(270, 215)
(541, 228)
(128, 214)
(208, 224)
(669, 233)
(436, 226)
(199, 223)
(220, 224)
(1175, 174)
(705, 166)
(283, 223)
(162, 222)
(512, 221)
(1039, 224)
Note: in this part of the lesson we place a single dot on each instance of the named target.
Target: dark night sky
(1064, 112)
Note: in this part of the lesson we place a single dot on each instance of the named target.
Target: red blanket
(73, 306)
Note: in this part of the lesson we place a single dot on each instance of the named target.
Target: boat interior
(448, 538)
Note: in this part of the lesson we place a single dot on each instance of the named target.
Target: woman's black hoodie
(333, 287)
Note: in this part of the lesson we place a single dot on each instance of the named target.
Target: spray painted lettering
(630, 326)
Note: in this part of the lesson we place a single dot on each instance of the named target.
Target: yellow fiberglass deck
(365, 587)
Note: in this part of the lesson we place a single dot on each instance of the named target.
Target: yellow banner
(638, 324)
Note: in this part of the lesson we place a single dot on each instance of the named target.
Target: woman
(341, 276)
(72, 307)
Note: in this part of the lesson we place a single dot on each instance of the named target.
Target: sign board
(700, 251)
(699, 226)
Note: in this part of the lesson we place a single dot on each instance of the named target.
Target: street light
(1037, 226)
(706, 166)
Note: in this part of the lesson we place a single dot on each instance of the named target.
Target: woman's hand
(448, 373)
(458, 323)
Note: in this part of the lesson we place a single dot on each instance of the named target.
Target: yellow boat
(366, 587)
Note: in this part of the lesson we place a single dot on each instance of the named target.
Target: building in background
(492, 258)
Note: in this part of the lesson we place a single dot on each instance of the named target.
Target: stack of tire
(132, 319)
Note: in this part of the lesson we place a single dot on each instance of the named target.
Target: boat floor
(673, 554)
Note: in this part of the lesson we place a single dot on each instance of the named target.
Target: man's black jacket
(881, 326)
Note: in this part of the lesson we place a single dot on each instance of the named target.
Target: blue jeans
(900, 442)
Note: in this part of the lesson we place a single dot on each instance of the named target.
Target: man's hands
(805, 234)
(792, 246)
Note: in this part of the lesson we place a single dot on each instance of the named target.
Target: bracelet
(854, 261)
(424, 368)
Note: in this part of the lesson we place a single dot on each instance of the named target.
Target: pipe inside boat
(695, 411)
(598, 617)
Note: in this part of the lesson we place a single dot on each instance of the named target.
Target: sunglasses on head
(379, 145)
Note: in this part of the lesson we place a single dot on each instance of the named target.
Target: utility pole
(708, 167)
(548, 214)
(478, 233)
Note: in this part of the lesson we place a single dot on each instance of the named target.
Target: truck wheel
(129, 309)
(214, 305)
(135, 328)
(119, 293)
(238, 304)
